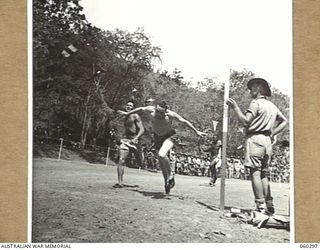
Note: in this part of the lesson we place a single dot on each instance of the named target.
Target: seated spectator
(179, 167)
(287, 175)
(207, 164)
(203, 167)
(191, 169)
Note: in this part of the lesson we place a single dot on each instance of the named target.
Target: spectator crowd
(195, 165)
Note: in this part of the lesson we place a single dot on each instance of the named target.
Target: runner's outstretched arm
(136, 110)
(186, 122)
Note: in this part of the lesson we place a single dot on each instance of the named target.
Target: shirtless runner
(130, 143)
(161, 119)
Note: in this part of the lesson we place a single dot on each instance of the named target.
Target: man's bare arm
(134, 111)
(245, 119)
(281, 125)
(186, 122)
(140, 127)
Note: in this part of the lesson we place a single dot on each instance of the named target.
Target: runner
(263, 121)
(130, 143)
(161, 119)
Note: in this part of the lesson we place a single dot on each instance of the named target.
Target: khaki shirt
(264, 115)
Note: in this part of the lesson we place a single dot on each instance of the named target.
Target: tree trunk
(85, 137)
(84, 130)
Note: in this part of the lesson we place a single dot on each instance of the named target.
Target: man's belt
(266, 133)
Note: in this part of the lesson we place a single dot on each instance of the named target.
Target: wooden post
(108, 152)
(224, 146)
(60, 150)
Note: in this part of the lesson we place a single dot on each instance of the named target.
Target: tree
(204, 104)
(87, 71)
(83, 74)
(54, 25)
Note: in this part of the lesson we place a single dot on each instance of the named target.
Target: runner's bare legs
(120, 168)
(164, 160)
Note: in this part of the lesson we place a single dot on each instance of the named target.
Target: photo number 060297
(162, 122)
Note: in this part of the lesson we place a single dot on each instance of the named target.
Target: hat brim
(262, 82)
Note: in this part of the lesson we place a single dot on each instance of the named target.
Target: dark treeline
(83, 74)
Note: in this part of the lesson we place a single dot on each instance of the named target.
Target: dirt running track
(76, 203)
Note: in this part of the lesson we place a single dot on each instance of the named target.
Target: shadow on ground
(154, 195)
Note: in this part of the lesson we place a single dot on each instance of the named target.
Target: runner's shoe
(211, 183)
(167, 188)
(172, 182)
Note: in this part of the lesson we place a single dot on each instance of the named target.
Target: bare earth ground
(75, 203)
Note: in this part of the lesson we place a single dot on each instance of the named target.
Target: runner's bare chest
(161, 125)
(130, 123)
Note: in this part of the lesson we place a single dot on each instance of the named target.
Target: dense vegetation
(83, 74)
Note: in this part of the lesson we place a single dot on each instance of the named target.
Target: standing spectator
(186, 165)
(192, 166)
(262, 120)
(130, 143)
(179, 165)
(213, 147)
(237, 168)
(148, 159)
(173, 159)
(287, 174)
(112, 142)
(242, 171)
(229, 168)
(207, 163)
(203, 167)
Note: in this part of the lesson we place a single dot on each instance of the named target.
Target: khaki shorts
(258, 150)
(127, 145)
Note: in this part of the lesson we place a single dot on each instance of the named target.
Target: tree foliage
(83, 74)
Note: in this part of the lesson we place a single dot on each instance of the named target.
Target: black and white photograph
(161, 121)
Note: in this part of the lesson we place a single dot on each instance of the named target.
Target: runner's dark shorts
(158, 140)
